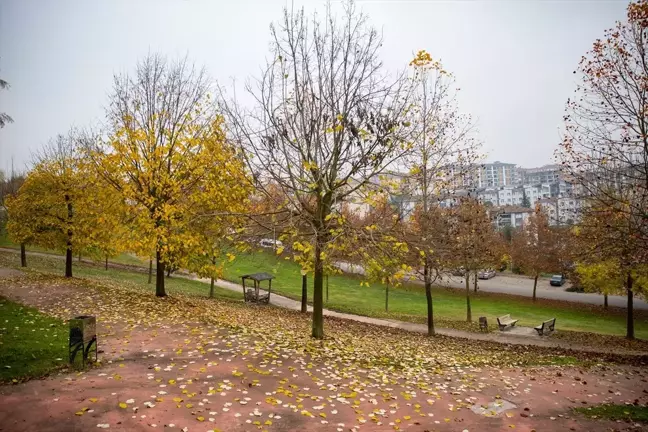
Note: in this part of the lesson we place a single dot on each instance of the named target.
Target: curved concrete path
(516, 336)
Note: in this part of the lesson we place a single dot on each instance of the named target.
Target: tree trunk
(535, 285)
(168, 272)
(468, 311)
(605, 301)
(106, 262)
(68, 252)
(387, 297)
(304, 298)
(150, 270)
(68, 260)
(428, 298)
(211, 288)
(630, 327)
(475, 282)
(318, 291)
(159, 276)
(23, 255)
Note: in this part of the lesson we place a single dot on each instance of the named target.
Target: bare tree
(4, 118)
(605, 147)
(326, 120)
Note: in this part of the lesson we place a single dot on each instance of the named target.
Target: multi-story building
(496, 174)
(543, 174)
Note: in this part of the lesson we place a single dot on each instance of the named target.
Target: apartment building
(496, 174)
(543, 174)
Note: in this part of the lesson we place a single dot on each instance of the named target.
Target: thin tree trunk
(68, 252)
(211, 288)
(475, 282)
(535, 285)
(106, 262)
(428, 298)
(468, 311)
(159, 276)
(23, 255)
(630, 334)
(150, 270)
(318, 279)
(605, 301)
(304, 298)
(168, 272)
(387, 297)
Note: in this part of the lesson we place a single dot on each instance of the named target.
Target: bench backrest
(549, 324)
(504, 318)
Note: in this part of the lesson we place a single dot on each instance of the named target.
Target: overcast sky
(512, 59)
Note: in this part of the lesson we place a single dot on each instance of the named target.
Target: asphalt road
(523, 286)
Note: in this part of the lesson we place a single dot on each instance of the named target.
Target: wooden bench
(505, 321)
(546, 327)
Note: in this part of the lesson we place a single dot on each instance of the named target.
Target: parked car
(557, 280)
(270, 243)
(486, 274)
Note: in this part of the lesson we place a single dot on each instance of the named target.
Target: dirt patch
(6, 273)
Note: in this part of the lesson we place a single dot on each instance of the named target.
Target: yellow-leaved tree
(167, 156)
(62, 205)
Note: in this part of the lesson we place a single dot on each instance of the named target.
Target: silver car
(486, 274)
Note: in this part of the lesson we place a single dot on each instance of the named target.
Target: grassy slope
(346, 294)
(408, 301)
(123, 258)
(616, 412)
(28, 334)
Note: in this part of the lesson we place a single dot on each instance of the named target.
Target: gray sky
(512, 59)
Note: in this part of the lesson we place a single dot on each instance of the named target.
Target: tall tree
(326, 120)
(56, 206)
(442, 155)
(166, 146)
(536, 247)
(605, 146)
(475, 244)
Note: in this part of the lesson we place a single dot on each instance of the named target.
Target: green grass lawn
(616, 412)
(346, 295)
(123, 258)
(408, 301)
(31, 343)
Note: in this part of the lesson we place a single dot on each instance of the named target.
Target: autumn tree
(325, 119)
(536, 247)
(443, 152)
(54, 207)
(605, 239)
(167, 156)
(475, 244)
(605, 147)
(9, 186)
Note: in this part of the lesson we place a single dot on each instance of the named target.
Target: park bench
(546, 327)
(505, 321)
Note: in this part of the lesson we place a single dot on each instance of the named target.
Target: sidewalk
(517, 336)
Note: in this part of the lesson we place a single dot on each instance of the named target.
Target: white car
(270, 243)
(486, 274)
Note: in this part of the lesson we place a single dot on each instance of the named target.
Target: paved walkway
(523, 286)
(515, 336)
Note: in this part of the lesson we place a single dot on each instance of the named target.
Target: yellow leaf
(122, 405)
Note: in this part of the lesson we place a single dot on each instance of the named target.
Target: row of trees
(181, 177)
